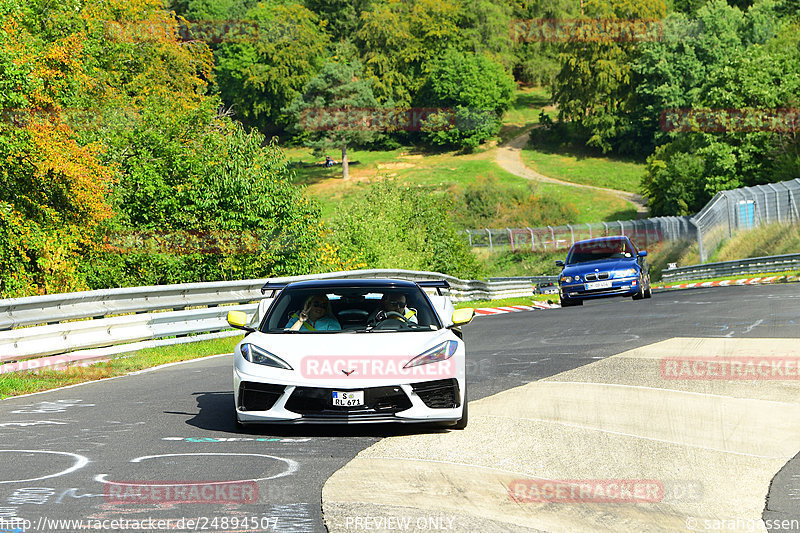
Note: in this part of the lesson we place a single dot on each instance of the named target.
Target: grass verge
(17, 383)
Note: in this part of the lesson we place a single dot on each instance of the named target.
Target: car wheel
(462, 423)
(649, 292)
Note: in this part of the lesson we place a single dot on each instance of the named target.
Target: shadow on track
(216, 413)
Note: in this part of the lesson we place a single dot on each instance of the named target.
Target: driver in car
(393, 306)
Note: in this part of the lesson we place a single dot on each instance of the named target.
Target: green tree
(335, 109)
(594, 87)
(475, 90)
(260, 74)
(341, 16)
(394, 226)
(398, 40)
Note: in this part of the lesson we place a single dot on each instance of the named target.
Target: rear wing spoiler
(437, 284)
(273, 286)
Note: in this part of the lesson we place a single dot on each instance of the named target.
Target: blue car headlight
(260, 356)
(566, 279)
(434, 355)
(626, 273)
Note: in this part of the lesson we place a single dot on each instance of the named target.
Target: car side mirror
(463, 316)
(560, 263)
(238, 319)
(643, 253)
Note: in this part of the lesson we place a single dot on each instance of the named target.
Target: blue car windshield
(583, 252)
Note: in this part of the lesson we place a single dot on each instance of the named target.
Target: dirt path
(509, 157)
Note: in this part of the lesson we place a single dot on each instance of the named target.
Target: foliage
(735, 61)
(594, 87)
(395, 226)
(398, 39)
(108, 130)
(330, 109)
(487, 202)
(260, 75)
(475, 93)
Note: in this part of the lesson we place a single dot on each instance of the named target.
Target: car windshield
(583, 252)
(351, 309)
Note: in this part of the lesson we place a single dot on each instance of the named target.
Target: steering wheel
(383, 319)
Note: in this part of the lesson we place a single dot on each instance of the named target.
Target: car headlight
(260, 356)
(434, 355)
(577, 278)
(566, 279)
(626, 273)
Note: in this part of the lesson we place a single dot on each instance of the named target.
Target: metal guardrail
(756, 265)
(85, 327)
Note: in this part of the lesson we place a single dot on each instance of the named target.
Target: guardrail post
(491, 247)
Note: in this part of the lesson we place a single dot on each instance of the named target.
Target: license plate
(598, 285)
(348, 399)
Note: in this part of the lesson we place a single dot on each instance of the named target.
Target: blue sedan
(603, 267)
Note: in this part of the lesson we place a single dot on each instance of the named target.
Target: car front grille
(314, 402)
(595, 276)
(255, 396)
(440, 394)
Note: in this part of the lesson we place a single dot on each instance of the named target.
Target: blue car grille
(594, 276)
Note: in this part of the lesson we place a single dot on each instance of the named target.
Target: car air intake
(313, 402)
(258, 396)
(440, 394)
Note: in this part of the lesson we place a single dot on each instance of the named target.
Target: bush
(394, 226)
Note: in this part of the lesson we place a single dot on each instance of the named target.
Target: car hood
(606, 265)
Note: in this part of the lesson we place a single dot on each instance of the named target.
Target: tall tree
(337, 109)
(260, 72)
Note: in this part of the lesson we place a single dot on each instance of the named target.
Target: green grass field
(611, 173)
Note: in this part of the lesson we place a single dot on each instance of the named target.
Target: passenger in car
(315, 316)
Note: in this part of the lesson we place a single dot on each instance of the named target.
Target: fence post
(511, 239)
(590, 230)
(470, 238)
(533, 246)
(572, 233)
(553, 235)
(491, 247)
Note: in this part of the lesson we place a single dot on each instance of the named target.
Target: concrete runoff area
(710, 446)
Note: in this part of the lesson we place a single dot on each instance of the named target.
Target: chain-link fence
(642, 232)
(745, 209)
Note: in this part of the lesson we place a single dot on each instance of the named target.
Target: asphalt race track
(65, 454)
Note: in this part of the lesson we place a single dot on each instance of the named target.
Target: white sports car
(352, 351)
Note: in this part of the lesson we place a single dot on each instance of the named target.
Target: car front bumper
(268, 401)
(619, 287)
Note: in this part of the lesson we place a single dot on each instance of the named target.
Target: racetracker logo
(586, 30)
(730, 120)
(586, 491)
(372, 367)
(393, 119)
(157, 492)
(731, 368)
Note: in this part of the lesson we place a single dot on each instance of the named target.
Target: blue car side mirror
(643, 253)
(560, 263)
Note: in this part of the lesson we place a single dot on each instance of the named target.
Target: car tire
(649, 292)
(462, 422)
